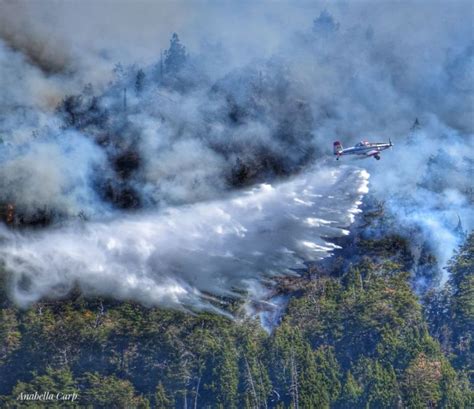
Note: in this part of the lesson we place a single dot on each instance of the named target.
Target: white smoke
(53, 172)
(264, 85)
(426, 182)
(183, 256)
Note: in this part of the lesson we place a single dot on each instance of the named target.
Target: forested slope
(374, 326)
(354, 335)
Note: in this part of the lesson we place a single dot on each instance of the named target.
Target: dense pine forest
(375, 322)
(354, 335)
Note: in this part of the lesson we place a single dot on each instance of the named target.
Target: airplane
(363, 148)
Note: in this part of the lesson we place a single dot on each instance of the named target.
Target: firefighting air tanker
(363, 149)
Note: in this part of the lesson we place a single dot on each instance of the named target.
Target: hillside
(354, 335)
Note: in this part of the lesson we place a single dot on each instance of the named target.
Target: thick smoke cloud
(428, 184)
(258, 96)
(181, 256)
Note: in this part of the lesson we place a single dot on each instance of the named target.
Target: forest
(378, 324)
(354, 334)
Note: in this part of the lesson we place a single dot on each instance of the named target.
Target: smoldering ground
(257, 96)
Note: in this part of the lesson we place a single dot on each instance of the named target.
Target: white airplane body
(364, 149)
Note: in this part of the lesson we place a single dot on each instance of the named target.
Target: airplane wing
(372, 152)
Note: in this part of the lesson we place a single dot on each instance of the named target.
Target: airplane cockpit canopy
(363, 143)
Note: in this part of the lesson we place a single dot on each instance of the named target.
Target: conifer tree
(175, 55)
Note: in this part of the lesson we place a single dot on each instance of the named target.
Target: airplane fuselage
(363, 149)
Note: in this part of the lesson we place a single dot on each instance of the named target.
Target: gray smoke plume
(100, 115)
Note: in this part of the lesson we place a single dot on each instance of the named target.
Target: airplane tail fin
(337, 148)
